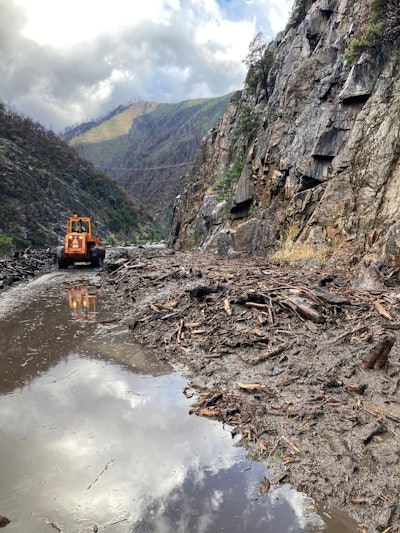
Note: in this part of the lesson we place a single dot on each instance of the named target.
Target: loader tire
(97, 256)
(61, 259)
(94, 262)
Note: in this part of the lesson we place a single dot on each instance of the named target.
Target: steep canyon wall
(317, 147)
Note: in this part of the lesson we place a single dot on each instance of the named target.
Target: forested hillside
(148, 147)
(43, 181)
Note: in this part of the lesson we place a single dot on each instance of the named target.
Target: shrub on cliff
(299, 11)
(382, 27)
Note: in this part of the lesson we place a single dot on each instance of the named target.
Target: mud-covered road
(302, 361)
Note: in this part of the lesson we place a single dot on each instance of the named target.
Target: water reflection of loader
(82, 304)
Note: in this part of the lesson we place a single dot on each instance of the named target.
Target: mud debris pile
(26, 265)
(296, 359)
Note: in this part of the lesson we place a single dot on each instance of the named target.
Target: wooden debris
(179, 335)
(278, 479)
(358, 501)
(4, 521)
(264, 486)
(331, 298)
(227, 307)
(380, 352)
(290, 444)
(376, 410)
(304, 310)
(266, 355)
(382, 311)
(210, 412)
(262, 446)
(357, 388)
(348, 334)
(169, 315)
(257, 305)
(289, 362)
(214, 399)
(187, 391)
(253, 387)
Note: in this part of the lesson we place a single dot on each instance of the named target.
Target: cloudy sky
(63, 62)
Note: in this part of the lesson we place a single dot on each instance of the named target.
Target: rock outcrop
(322, 169)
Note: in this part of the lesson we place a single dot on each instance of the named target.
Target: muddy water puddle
(95, 433)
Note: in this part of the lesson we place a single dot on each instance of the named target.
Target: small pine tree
(259, 61)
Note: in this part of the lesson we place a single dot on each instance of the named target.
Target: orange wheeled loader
(80, 245)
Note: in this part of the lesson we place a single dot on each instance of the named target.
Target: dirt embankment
(302, 361)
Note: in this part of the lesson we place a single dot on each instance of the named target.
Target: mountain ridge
(148, 146)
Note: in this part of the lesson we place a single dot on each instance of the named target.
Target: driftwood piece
(290, 444)
(376, 410)
(302, 308)
(266, 355)
(227, 307)
(330, 298)
(379, 353)
(252, 387)
(382, 311)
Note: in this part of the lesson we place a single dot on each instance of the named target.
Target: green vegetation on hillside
(226, 186)
(43, 181)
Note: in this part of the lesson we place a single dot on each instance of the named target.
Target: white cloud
(73, 60)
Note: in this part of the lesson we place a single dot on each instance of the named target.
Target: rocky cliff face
(319, 166)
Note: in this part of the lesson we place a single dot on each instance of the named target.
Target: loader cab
(79, 225)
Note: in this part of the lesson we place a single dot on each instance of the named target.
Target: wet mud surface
(302, 361)
(96, 434)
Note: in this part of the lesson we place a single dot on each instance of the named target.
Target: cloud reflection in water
(95, 443)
